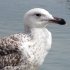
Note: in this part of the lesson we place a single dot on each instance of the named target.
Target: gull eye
(38, 15)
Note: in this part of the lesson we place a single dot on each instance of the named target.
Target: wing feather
(9, 52)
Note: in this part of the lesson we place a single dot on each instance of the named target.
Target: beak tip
(62, 22)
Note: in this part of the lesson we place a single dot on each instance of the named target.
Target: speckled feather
(10, 55)
(27, 51)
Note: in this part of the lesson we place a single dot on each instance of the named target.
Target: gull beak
(58, 21)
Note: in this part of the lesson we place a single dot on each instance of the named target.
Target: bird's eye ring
(38, 15)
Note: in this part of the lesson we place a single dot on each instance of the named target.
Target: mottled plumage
(26, 51)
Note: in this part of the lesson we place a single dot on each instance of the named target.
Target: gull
(27, 50)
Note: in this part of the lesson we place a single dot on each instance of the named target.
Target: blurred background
(11, 21)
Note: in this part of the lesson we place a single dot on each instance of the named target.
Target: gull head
(40, 18)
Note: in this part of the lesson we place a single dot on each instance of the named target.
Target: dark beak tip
(60, 21)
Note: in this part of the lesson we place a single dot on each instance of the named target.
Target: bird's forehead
(38, 10)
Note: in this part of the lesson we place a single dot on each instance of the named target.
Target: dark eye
(38, 15)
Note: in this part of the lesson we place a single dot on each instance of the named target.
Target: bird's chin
(46, 26)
